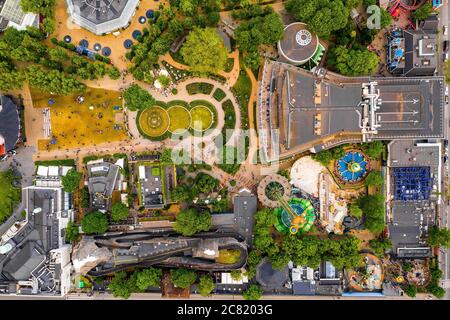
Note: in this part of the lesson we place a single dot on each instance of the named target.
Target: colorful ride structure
(294, 216)
(352, 167)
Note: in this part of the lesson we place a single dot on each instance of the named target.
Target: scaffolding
(412, 183)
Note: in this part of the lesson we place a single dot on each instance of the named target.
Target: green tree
(45, 7)
(190, 221)
(411, 290)
(355, 211)
(137, 98)
(183, 278)
(439, 237)
(373, 208)
(204, 51)
(373, 149)
(10, 78)
(253, 292)
(355, 62)
(236, 275)
(53, 81)
(71, 181)
(374, 178)
(71, 232)
(181, 193)
(150, 277)
(120, 286)
(48, 25)
(205, 183)
(385, 19)
(94, 222)
(423, 12)
(379, 246)
(119, 211)
(114, 73)
(323, 16)
(323, 157)
(280, 260)
(206, 285)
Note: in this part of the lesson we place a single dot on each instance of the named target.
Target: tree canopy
(71, 233)
(119, 211)
(264, 29)
(71, 181)
(355, 210)
(94, 222)
(206, 285)
(137, 98)
(380, 246)
(439, 237)
(423, 12)
(253, 292)
(374, 178)
(373, 149)
(204, 51)
(373, 207)
(45, 7)
(322, 16)
(355, 62)
(183, 278)
(205, 183)
(150, 277)
(190, 221)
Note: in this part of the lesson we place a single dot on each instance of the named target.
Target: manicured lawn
(154, 121)
(69, 118)
(202, 118)
(9, 196)
(180, 119)
(228, 256)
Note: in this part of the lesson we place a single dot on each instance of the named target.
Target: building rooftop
(413, 53)
(102, 16)
(299, 44)
(37, 251)
(9, 124)
(245, 206)
(102, 182)
(413, 186)
(11, 15)
(270, 278)
(304, 109)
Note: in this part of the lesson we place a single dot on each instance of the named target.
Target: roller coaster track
(171, 258)
(408, 7)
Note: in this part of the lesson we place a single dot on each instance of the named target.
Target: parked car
(445, 143)
(445, 47)
(446, 99)
(13, 152)
(445, 159)
(3, 158)
(445, 29)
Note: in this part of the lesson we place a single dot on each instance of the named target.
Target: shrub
(219, 94)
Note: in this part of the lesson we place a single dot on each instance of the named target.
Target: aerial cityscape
(224, 149)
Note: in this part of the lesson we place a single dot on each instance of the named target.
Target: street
(444, 254)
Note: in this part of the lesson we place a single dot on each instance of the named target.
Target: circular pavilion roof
(269, 277)
(102, 16)
(298, 44)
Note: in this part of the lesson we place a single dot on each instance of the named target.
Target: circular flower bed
(202, 118)
(154, 121)
(180, 119)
